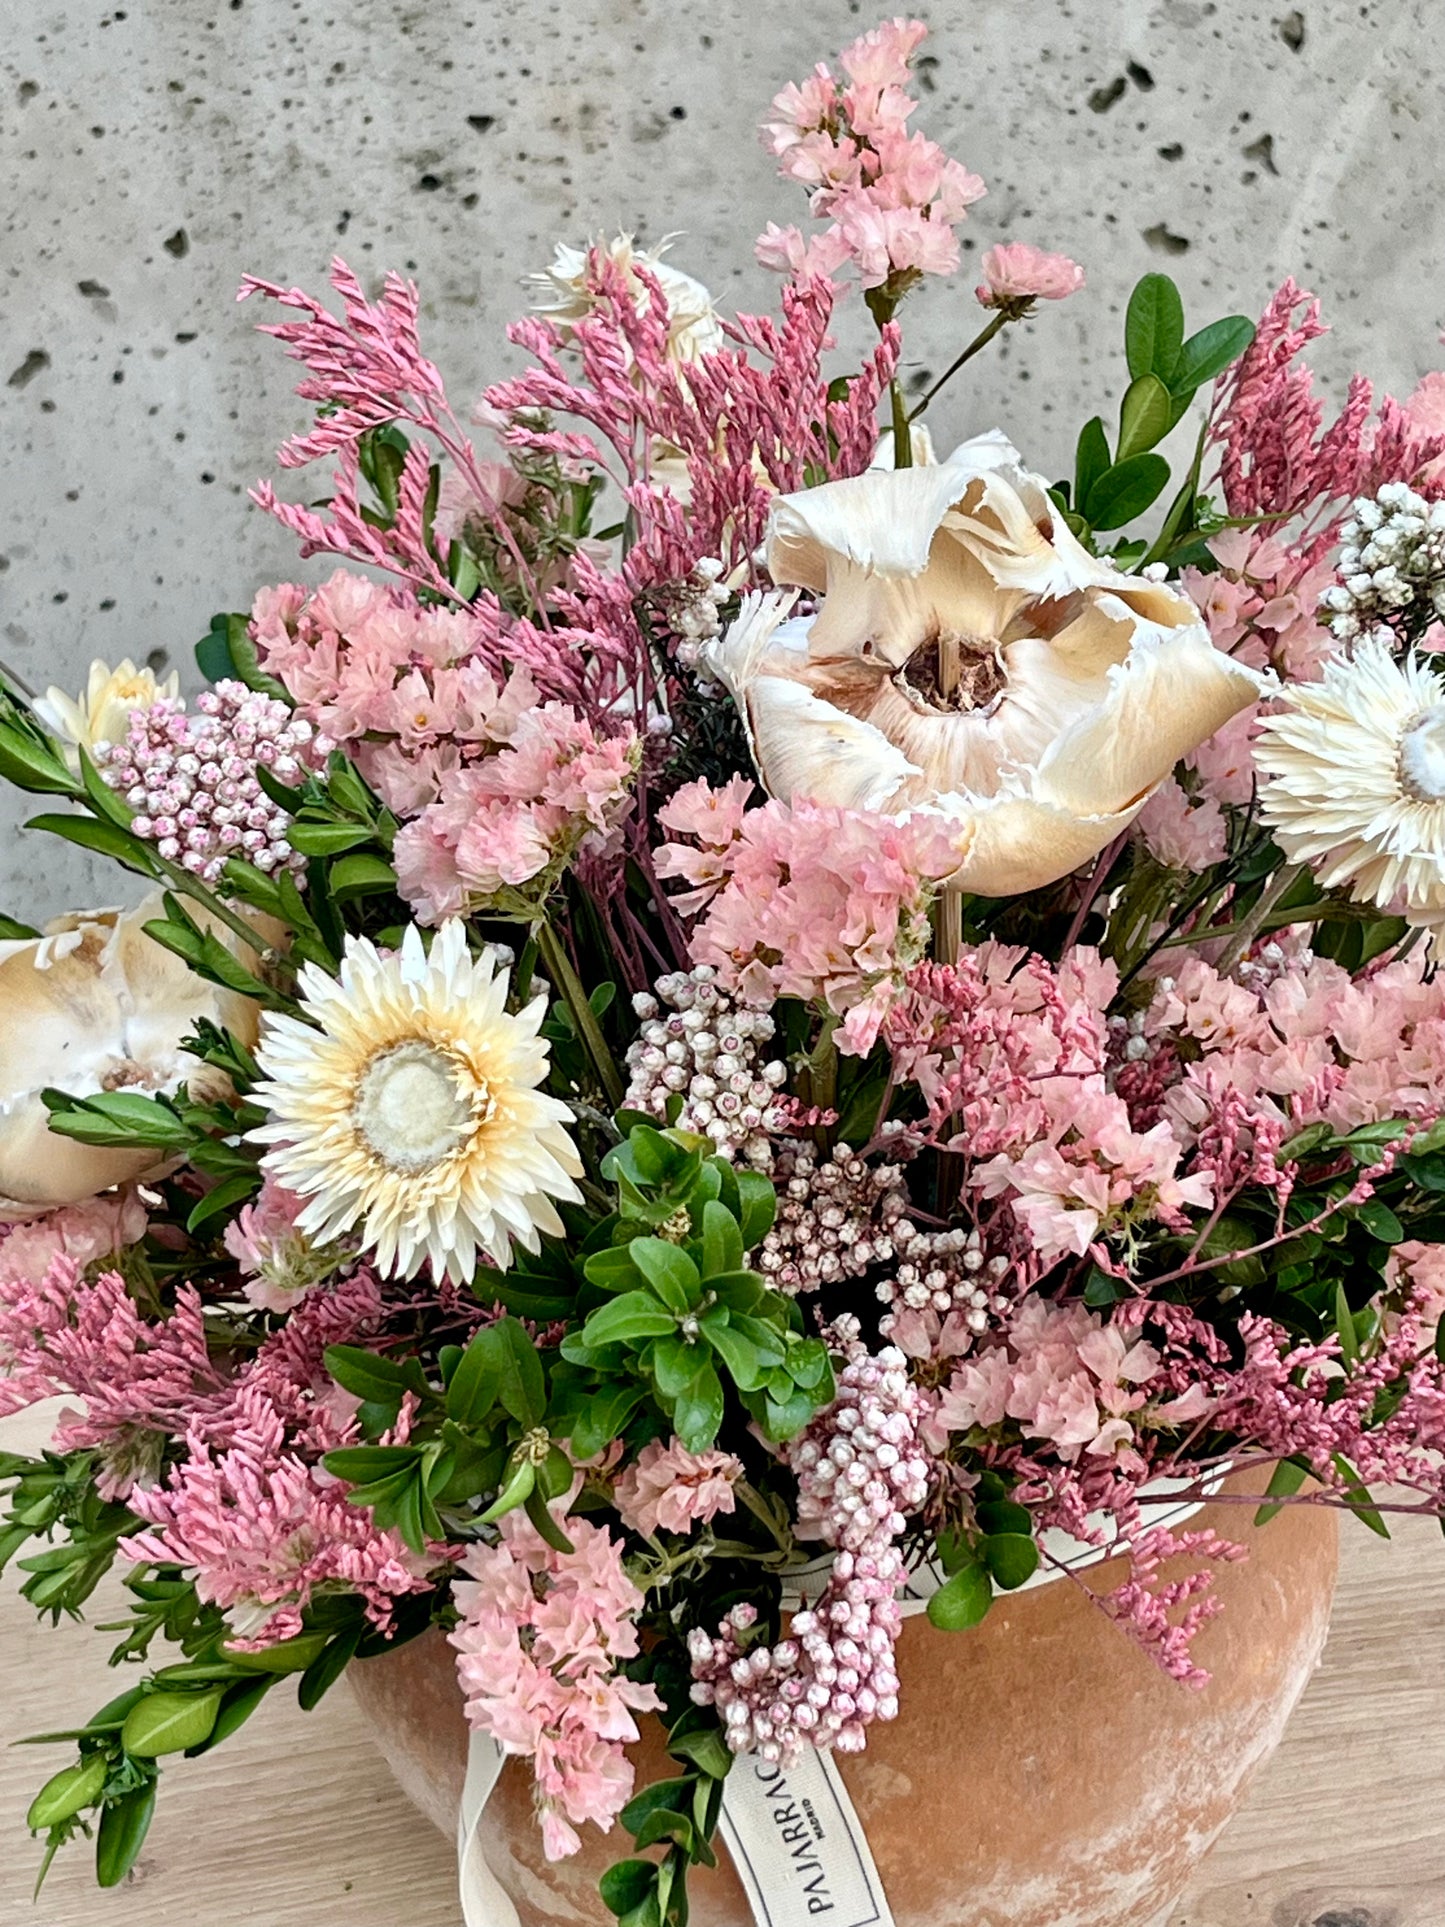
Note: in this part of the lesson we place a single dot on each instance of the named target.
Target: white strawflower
(408, 1105)
(1357, 789)
(693, 329)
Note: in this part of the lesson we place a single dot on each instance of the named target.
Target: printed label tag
(798, 1846)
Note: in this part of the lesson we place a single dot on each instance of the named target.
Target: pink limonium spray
(539, 1648)
(669, 1489)
(893, 199)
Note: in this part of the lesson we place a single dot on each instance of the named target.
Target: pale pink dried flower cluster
(264, 1531)
(861, 1469)
(669, 1489)
(809, 901)
(411, 691)
(539, 1647)
(278, 1262)
(515, 820)
(1016, 274)
(191, 779)
(893, 200)
(84, 1233)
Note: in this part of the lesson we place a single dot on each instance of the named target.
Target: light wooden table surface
(295, 1822)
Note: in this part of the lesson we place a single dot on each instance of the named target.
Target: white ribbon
(796, 1842)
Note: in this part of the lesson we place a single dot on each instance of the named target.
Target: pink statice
(1014, 1059)
(1305, 1044)
(711, 820)
(410, 691)
(1016, 274)
(1417, 1270)
(1058, 1374)
(191, 778)
(669, 1489)
(861, 1470)
(541, 1642)
(1183, 832)
(820, 903)
(513, 821)
(1425, 411)
(83, 1233)
(264, 1532)
(279, 1263)
(893, 199)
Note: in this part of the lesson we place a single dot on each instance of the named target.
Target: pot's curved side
(1042, 1772)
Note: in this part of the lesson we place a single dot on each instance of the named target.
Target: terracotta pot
(1042, 1772)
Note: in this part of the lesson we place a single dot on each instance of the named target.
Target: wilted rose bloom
(101, 713)
(94, 1005)
(561, 292)
(971, 660)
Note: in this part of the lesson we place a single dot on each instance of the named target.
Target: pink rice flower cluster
(669, 1489)
(893, 200)
(265, 1532)
(1012, 1056)
(515, 820)
(696, 1043)
(811, 901)
(411, 691)
(539, 1647)
(1016, 274)
(191, 779)
(861, 1469)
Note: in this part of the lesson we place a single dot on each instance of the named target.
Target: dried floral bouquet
(855, 1006)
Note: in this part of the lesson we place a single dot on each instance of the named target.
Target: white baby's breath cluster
(1391, 568)
(697, 1044)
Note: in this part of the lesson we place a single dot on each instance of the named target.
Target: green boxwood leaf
(1091, 457)
(327, 839)
(737, 1352)
(1145, 416)
(722, 1241)
(367, 1375)
(1005, 1515)
(107, 839)
(1011, 1557)
(699, 1410)
(68, 1792)
(669, 1271)
(524, 1387)
(757, 1207)
(121, 1835)
(1126, 490)
(1154, 328)
(169, 1723)
(477, 1379)
(626, 1884)
(362, 875)
(963, 1600)
(1210, 352)
(636, 1314)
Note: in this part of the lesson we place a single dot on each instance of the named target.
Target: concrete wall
(152, 152)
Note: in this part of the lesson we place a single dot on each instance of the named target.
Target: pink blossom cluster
(102, 1227)
(1013, 1059)
(1305, 1044)
(278, 1262)
(411, 691)
(1278, 460)
(669, 1489)
(810, 901)
(893, 200)
(861, 1468)
(264, 1531)
(518, 817)
(1016, 274)
(1061, 1375)
(539, 1647)
(191, 779)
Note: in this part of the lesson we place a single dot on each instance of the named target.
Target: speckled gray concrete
(153, 152)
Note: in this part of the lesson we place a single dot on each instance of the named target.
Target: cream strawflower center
(415, 1106)
(1422, 756)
